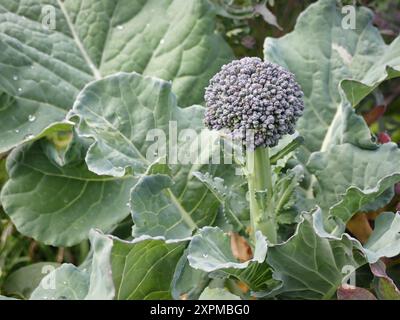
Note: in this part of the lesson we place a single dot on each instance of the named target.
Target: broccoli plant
(195, 174)
(257, 102)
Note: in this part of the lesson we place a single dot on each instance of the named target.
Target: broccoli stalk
(259, 179)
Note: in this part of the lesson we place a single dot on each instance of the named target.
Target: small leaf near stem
(293, 145)
(259, 179)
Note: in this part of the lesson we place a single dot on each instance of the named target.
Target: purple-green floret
(250, 95)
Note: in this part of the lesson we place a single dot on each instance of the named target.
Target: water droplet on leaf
(120, 27)
(15, 78)
(29, 137)
(31, 118)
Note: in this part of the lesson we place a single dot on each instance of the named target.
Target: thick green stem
(259, 177)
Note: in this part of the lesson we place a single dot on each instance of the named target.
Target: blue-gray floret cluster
(252, 94)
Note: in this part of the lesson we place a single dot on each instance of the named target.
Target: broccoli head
(250, 94)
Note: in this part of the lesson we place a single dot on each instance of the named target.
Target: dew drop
(19, 89)
(15, 78)
(120, 27)
(29, 137)
(16, 130)
(65, 283)
(162, 41)
(127, 204)
(31, 118)
(205, 255)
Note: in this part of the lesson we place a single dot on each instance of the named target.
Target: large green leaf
(386, 66)
(91, 281)
(322, 53)
(188, 283)
(141, 269)
(144, 270)
(59, 204)
(311, 266)
(42, 70)
(349, 177)
(210, 251)
(23, 281)
(383, 242)
(232, 197)
(385, 239)
(156, 210)
(119, 113)
(348, 127)
(65, 283)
